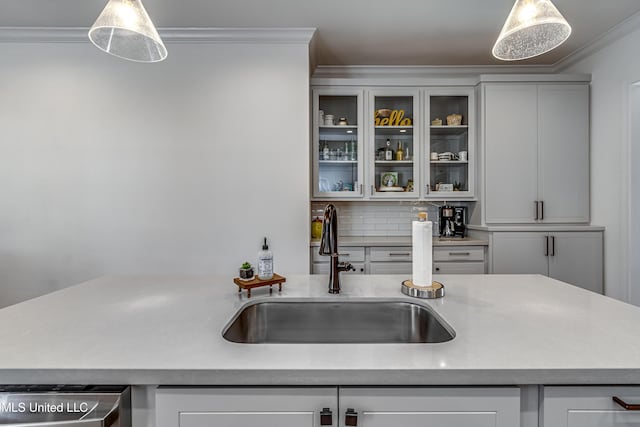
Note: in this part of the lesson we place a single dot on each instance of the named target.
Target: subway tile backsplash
(376, 219)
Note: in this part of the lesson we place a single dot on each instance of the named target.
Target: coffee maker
(453, 221)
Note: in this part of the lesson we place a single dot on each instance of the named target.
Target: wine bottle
(399, 152)
(388, 152)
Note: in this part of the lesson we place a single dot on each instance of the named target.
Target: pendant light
(125, 30)
(533, 27)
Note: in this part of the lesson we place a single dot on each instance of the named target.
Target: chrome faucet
(329, 246)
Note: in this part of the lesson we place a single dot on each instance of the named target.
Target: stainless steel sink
(345, 322)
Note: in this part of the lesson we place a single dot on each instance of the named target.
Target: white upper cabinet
(393, 143)
(381, 150)
(535, 139)
(563, 180)
(450, 154)
(510, 153)
(337, 145)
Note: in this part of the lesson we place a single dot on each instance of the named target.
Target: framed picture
(389, 179)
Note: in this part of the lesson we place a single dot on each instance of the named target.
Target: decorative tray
(257, 283)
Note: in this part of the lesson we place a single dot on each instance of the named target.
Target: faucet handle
(345, 266)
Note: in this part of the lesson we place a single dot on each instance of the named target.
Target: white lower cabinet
(441, 406)
(573, 257)
(243, 407)
(345, 406)
(589, 407)
(452, 259)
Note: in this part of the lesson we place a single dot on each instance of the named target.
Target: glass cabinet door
(393, 147)
(450, 149)
(337, 144)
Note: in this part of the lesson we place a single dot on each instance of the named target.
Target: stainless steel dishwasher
(65, 405)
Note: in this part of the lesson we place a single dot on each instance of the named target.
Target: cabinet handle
(361, 188)
(345, 254)
(326, 417)
(372, 190)
(460, 253)
(625, 405)
(537, 209)
(546, 245)
(351, 417)
(542, 209)
(553, 245)
(437, 268)
(399, 253)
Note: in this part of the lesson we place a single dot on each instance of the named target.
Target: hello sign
(396, 118)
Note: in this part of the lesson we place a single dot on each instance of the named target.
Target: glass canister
(316, 224)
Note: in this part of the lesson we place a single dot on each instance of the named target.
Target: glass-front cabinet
(392, 142)
(338, 143)
(450, 147)
(381, 143)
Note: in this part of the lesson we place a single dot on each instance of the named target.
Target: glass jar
(316, 225)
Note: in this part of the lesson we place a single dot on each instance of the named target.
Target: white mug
(434, 156)
(462, 156)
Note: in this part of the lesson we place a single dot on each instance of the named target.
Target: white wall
(614, 69)
(634, 199)
(113, 167)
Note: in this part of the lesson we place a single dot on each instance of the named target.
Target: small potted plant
(246, 271)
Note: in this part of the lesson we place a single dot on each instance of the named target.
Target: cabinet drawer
(323, 268)
(458, 267)
(589, 407)
(402, 253)
(434, 406)
(391, 268)
(458, 253)
(347, 253)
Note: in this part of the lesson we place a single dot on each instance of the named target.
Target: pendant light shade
(124, 29)
(533, 27)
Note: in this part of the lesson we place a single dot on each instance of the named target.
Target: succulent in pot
(246, 271)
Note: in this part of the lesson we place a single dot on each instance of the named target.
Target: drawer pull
(351, 417)
(399, 253)
(326, 417)
(625, 405)
(459, 253)
(344, 254)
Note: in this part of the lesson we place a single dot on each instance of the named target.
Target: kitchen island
(510, 329)
(512, 332)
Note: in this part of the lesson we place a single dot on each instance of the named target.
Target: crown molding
(169, 35)
(416, 75)
(622, 29)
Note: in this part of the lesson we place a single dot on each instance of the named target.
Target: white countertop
(523, 329)
(400, 241)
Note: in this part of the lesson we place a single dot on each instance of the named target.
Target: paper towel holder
(436, 290)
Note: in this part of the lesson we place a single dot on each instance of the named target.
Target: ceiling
(353, 32)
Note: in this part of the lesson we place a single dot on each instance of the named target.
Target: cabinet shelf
(338, 126)
(394, 130)
(338, 161)
(449, 130)
(449, 162)
(394, 162)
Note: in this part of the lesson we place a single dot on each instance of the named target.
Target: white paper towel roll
(422, 232)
